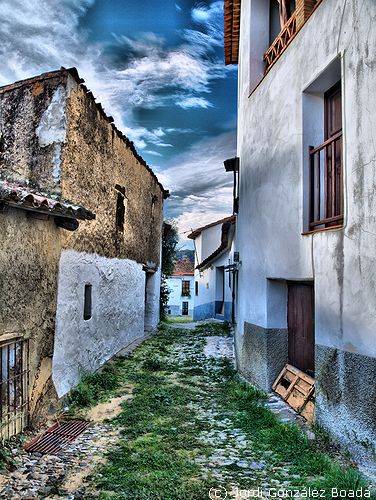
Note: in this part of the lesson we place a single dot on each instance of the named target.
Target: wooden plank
(297, 389)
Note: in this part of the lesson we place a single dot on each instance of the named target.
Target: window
(326, 167)
(196, 287)
(14, 369)
(87, 302)
(120, 207)
(185, 288)
(184, 310)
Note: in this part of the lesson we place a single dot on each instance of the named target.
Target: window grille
(14, 404)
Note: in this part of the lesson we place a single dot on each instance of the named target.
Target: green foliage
(170, 240)
(95, 386)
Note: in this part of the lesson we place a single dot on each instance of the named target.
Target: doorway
(220, 291)
(300, 322)
(184, 309)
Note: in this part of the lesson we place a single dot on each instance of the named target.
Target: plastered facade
(274, 127)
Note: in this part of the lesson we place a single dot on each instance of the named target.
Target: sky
(157, 67)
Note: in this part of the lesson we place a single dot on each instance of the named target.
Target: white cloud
(201, 189)
(41, 35)
(194, 102)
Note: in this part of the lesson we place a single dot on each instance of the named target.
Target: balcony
(302, 12)
(281, 42)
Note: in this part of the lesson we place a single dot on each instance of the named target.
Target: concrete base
(261, 354)
(210, 310)
(346, 400)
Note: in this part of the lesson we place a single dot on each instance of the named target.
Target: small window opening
(120, 207)
(185, 288)
(154, 201)
(196, 287)
(88, 302)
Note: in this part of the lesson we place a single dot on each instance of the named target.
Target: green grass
(156, 456)
(178, 319)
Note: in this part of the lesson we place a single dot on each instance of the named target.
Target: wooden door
(300, 320)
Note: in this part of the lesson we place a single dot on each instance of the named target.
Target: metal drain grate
(51, 441)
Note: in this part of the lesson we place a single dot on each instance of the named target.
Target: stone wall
(95, 160)
(29, 260)
(56, 140)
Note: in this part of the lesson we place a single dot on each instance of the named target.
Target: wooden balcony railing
(281, 42)
(326, 179)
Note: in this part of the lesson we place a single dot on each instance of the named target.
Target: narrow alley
(172, 420)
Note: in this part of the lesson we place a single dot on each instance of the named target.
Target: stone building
(80, 236)
(214, 283)
(306, 221)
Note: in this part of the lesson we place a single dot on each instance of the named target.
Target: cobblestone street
(178, 423)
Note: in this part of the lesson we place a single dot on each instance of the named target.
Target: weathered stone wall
(32, 127)
(29, 260)
(95, 159)
(55, 139)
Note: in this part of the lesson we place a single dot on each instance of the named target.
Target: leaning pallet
(298, 390)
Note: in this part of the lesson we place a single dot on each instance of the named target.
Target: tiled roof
(21, 197)
(232, 30)
(183, 267)
(199, 230)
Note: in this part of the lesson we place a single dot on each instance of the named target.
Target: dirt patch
(109, 409)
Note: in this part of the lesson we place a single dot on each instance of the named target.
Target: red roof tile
(232, 30)
(183, 267)
(21, 197)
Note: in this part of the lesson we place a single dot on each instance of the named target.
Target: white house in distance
(181, 287)
(306, 224)
(213, 279)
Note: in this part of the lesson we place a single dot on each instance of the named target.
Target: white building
(306, 226)
(213, 281)
(181, 288)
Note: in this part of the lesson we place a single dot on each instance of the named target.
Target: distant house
(181, 285)
(214, 287)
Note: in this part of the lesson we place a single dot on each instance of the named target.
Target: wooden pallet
(298, 390)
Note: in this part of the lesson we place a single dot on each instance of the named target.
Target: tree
(170, 240)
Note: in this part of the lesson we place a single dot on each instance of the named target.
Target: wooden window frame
(186, 288)
(329, 198)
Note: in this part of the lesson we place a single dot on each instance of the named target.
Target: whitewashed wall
(118, 294)
(272, 144)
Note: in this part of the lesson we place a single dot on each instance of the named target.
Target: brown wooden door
(300, 320)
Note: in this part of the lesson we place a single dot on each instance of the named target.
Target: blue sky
(157, 67)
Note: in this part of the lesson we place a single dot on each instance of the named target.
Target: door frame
(310, 284)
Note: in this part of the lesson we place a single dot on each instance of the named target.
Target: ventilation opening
(87, 302)
(14, 371)
(120, 207)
